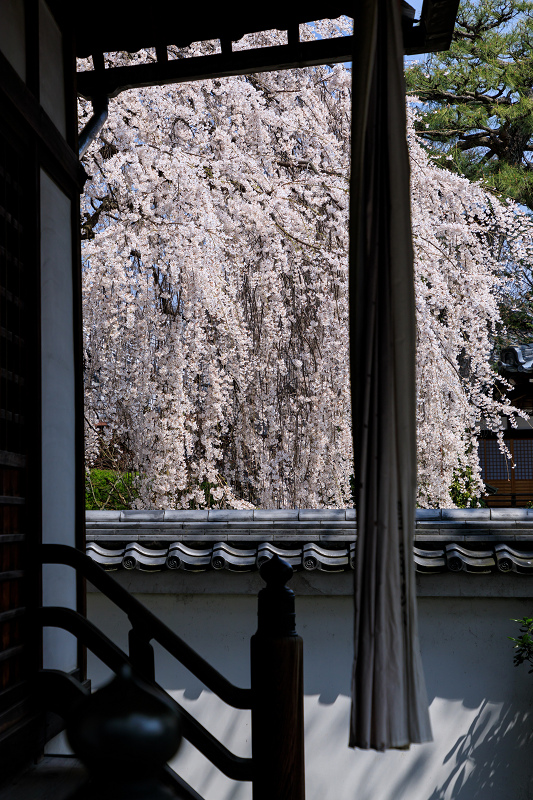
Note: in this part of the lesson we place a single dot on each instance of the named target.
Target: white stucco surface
(57, 345)
(51, 73)
(481, 706)
(12, 34)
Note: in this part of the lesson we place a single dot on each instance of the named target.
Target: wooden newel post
(141, 653)
(277, 691)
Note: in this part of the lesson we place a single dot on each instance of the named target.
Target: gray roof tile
(275, 514)
(467, 540)
(330, 514)
(230, 515)
(511, 514)
(185, 516)
(142, 516)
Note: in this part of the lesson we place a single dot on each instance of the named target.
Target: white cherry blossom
(215, 225)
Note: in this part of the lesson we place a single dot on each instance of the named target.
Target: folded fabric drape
(389, 702)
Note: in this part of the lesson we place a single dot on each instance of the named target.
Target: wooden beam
(112, 81)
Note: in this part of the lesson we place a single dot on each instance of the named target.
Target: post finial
(276, 572)
(275, 613)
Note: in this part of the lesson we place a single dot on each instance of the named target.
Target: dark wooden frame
(433, 33)
(508, 495)
(43, 147)
(19, 720)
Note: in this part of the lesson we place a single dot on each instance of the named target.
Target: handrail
(234, 767)
(59, 691)
(151, 626)
(64, 692)
(175, 781)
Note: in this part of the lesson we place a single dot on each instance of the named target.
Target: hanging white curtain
(389, 702)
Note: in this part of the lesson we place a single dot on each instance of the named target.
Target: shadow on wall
(489, 758)
(481, 706)
(481, 710)
(469, 658)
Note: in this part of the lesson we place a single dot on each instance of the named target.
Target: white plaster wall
(524, 424)
(12, 34)
(57, 347)
(481, 706)
(51, 77)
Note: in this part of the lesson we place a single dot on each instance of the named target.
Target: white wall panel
(58, 409)
(480, 705)
(12, 34)
(52, 82)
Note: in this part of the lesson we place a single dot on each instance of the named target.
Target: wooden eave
(435, 29)
(113, 26)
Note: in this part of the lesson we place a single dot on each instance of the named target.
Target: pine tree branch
(468, 98)
(475, 140)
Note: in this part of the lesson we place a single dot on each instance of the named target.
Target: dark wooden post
(141, 653)
(277, 691)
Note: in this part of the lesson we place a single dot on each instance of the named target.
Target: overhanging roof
(107, 26)
(112, 25)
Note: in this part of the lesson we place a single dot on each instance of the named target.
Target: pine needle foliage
(477, 98)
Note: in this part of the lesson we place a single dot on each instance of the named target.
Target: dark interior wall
(34, 141)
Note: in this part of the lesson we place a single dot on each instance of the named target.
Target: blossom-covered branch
(216, 297)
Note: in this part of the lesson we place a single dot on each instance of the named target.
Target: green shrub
(462, 491)
(523, 645)
(105, 488)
